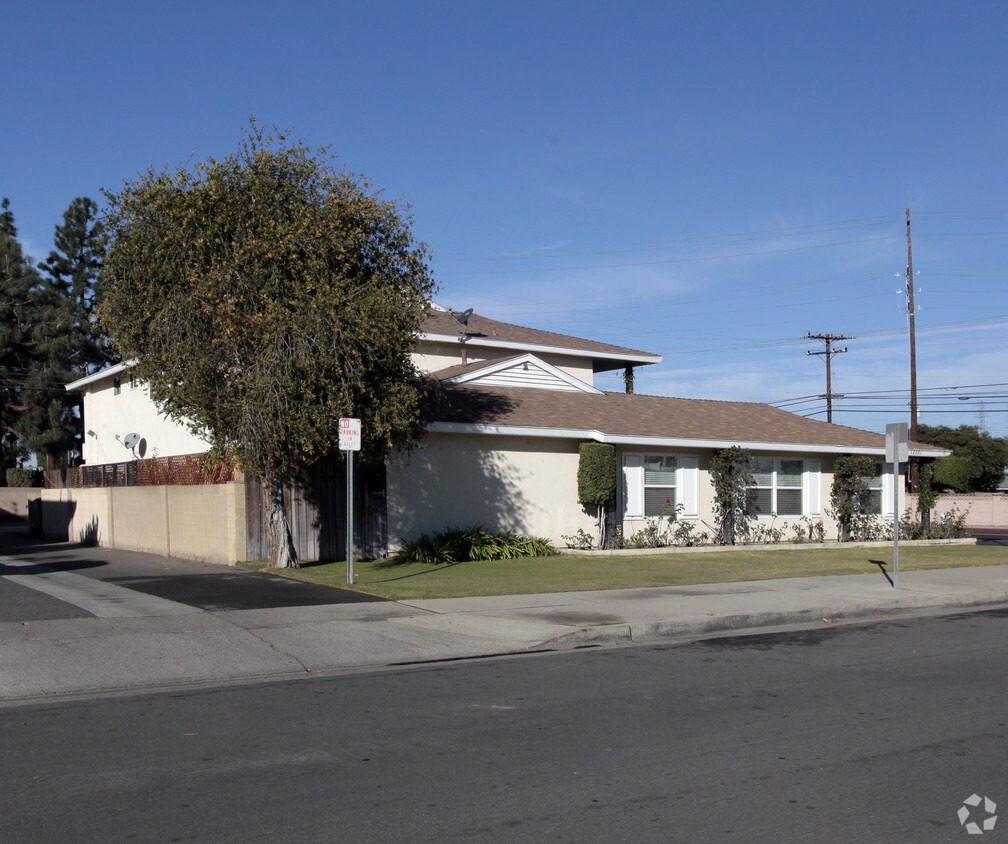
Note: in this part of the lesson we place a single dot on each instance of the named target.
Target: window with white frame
(657, 484)
(779, 487)
(875, 488)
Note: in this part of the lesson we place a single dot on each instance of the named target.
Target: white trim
(504, 364)
(632, 486)
(493, 343)
(657, 442)
(812, 487)
(688, 485)
(98, 376)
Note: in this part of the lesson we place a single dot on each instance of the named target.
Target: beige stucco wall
(525, 484)
(132, 410)
(195, 522)
(530, 485)
(14, 502)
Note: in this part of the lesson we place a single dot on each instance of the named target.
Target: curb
(649, 631)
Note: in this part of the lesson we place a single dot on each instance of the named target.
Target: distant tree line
(977, 462)
(49, 336)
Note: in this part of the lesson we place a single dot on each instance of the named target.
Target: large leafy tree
(264, 296)
(978, 459)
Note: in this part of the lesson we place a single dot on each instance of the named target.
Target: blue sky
(709, 181)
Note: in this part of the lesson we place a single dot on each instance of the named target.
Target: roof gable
(520, 371)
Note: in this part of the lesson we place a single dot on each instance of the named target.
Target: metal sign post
(896, 451)
(349, 441)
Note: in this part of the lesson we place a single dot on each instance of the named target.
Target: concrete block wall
(194, 522)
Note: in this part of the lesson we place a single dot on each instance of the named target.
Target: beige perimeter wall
(983, 509)
(195, 522)
(14, 502)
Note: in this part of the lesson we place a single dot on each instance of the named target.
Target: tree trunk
(283, 555)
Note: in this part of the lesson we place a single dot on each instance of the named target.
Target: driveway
(24, 559)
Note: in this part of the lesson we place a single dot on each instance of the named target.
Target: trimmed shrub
(596, 480)
(25, 477)
(456, 545)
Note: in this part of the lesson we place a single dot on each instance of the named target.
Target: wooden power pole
(913, 354)
(829, 351)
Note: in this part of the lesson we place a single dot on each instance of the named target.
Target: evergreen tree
(76, 345)
(74, 268)
(26, 388)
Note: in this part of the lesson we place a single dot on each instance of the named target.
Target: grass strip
(569, 573)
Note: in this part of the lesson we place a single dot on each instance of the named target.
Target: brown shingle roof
(463, 368)
(623, 415)
(481, 327)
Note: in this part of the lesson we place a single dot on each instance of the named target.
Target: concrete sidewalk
(144, 644)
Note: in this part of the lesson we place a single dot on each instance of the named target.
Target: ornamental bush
(596, 480)
(457, 545)
(25, 477)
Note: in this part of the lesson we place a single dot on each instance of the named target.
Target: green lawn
(569, 573)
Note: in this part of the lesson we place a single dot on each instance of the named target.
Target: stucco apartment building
(503, 451)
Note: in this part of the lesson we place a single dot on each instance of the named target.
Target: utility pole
(829, 340)
(913, 355)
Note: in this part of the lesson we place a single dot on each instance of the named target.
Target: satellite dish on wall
(141, 448)
(130, 440)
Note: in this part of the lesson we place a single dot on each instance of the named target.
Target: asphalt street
(865, 732)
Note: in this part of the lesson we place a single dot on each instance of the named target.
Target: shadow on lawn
(394, 563)
(882, 569)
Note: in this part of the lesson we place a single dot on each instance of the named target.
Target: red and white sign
(349, 434)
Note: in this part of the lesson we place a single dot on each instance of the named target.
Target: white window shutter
(688, 486)
(633, 486)
(812, 488)
(887, 489)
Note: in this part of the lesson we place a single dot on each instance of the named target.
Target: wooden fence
(178, 470)
(316, 508)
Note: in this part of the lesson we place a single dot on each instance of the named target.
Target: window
(659, 484)
(116, 386)
(778, 488)
(656, 484)
(875, 486)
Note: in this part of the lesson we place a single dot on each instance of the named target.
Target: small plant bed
(671, 531)
(457, 545)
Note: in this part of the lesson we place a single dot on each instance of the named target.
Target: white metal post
(349, 517)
